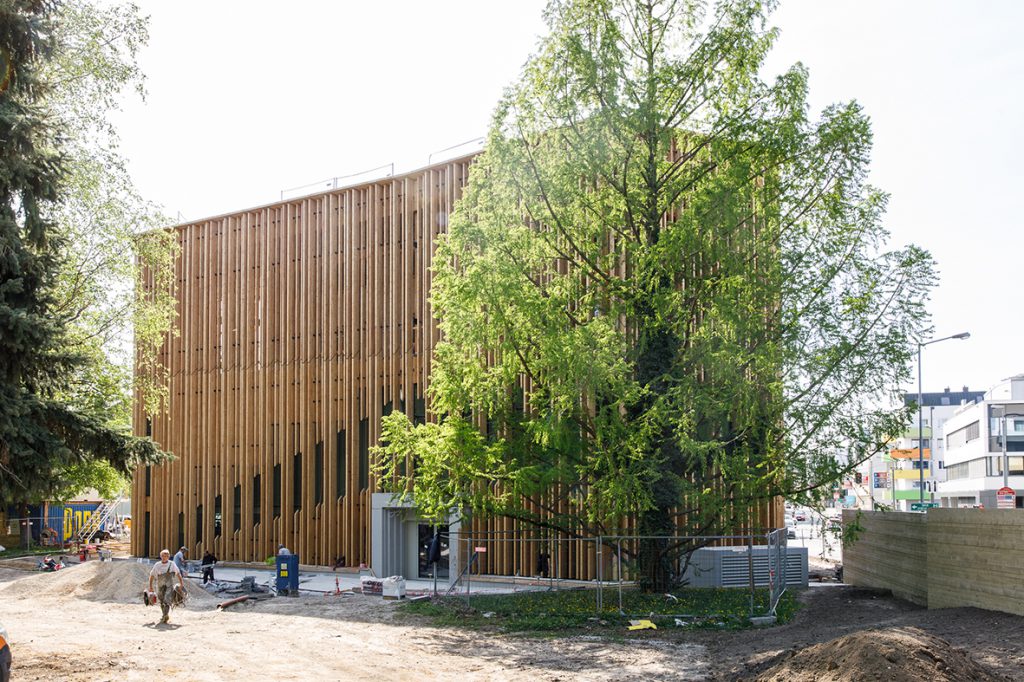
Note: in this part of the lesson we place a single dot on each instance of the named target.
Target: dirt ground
(88, 624)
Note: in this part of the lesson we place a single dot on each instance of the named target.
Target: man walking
(164, 573)
(179, 560)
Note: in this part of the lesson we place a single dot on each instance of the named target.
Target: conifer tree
(40, 435)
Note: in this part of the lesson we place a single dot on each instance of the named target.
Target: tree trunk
(653, 365)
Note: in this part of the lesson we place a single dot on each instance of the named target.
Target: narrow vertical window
(364, 454)
(237, 509)
(277, 491)
(318, 473)
(339, 466)
(218, 515)
(256, 490)
(297, 482)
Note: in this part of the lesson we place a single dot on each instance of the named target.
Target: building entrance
(426, 537)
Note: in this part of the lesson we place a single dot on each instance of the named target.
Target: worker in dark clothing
(207, 564)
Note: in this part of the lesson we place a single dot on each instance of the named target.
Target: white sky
(249, 98)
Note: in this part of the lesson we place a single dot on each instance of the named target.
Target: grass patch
(576, 609)
(34, 550)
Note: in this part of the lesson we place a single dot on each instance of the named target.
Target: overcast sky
(249, 98)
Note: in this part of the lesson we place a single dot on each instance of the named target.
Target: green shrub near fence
(716, 608)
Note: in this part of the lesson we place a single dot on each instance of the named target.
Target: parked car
(800, 516)
(5, 656)
(791, 534)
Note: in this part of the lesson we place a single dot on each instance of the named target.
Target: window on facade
(963, 435)
(199, 523)
(419, 410)
(256, 490)
(297, 482)
(318, 473)
(236, 507)
(218, 514)
(277, 491)
(339, 465)
(957, 471)
(149, 481)
(1016, 465)
(364, 454)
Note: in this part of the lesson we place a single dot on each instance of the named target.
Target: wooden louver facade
(299, 325)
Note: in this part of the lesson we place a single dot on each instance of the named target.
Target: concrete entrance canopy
(394, 537)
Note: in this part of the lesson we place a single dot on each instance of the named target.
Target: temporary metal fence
(609, 566)
(54, 531)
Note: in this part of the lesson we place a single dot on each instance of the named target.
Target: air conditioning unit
(730, 567)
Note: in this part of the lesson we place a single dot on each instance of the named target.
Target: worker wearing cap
(283, 551)
(179, 560)
(164, 572)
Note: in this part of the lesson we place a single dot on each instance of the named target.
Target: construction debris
(643, 624)
(237, 600)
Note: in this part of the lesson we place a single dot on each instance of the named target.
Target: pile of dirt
(897, 654)
(123, 581)
(112, 581)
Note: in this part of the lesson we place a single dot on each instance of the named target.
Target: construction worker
(179, 560)
(164, 573)
(283, 551)
(207, 564)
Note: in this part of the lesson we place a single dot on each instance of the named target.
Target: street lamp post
(920, 410)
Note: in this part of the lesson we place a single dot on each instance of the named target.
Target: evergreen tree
(40, 435)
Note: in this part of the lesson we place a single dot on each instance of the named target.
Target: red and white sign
(480, 550)
(1006, 498)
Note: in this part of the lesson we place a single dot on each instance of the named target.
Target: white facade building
(974, 442)
(893, 477)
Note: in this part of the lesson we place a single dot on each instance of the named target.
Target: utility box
(730, 567)
(287, 574)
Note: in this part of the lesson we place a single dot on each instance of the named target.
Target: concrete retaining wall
(891, 553)
(945, 558)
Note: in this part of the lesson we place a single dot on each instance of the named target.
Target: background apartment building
(892, 477)
(974, 440)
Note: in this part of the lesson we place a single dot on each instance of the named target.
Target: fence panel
(543, 561)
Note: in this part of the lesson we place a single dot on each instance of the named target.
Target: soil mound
(112, 581)
(896, 654)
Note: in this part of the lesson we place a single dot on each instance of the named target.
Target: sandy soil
(72, 626)
(88, 624)
(991, 639)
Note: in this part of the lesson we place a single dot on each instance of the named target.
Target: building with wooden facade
(300, 324)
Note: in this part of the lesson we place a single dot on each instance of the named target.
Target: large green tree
(666, 288)
(42, 432)
(110, 231)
